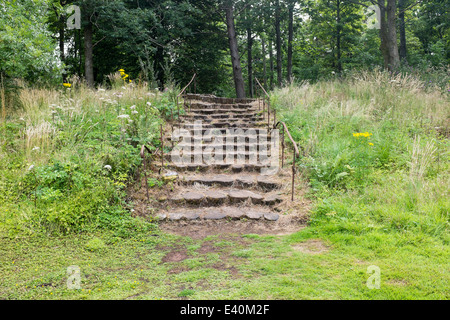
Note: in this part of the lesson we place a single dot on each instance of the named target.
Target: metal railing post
(162, 147)
(293, 177)
(282, 148)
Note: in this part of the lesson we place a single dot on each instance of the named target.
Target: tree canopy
(165, 42)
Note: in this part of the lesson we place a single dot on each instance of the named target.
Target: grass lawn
(303, 265)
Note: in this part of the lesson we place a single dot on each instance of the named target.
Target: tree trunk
(234, 52)
(338, 36)
(88, 55)
(263, 48)
(278, 40)
(249, 59)
(80, 54)
(159, 63)
(61, 44)
(388, 34)
(401, 16)
(272, 70)
(291, 37)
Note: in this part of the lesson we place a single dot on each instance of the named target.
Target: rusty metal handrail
(267, 97)
(182, 91)
(178, 96)
(285, 129)
(295, 153)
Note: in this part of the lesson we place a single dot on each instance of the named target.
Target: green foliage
(357, 141)
(95, 244)
(26, 45)
(80, 182)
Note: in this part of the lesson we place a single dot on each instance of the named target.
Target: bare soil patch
(203, 228)
(176, 255)
(312, 246)
(226, 267)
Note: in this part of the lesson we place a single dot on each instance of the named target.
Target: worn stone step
(223, 117)
(223, 124)
(241, 146)
(231, 115)
(217, 213)
(217, 197)
(221, 111)
(233, 131)
(208, 156)
(202, 105)
(236, 168)
(261, 182)
(219, 100)
(207, 137)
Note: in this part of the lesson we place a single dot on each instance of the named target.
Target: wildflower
(362, 134)
(149, 103)
(370, 144)
(67, 85)
(134, 112)
(107, 167)
(133, 107)
(35, 149)
(123, 116)
(29, 169)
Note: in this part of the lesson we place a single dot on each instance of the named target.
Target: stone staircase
(234, 189)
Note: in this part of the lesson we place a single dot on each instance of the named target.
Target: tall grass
(83, 148)
(399, 175)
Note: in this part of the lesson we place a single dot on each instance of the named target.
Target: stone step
(217, 100)
(238, 124)
(227, 115)
(236, 168)
(260, 182)
(221, 111)
(217, 213)
(206, 156)
(233, 145)
(218, 197)
(200, 105)
(220, 140)
(221, 117)
(209, 138)
(233, 131)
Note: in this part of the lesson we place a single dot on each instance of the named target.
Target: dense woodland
(165, 42)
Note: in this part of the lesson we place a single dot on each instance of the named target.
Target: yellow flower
(67, 85)
(370, 144)
(362, 134)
